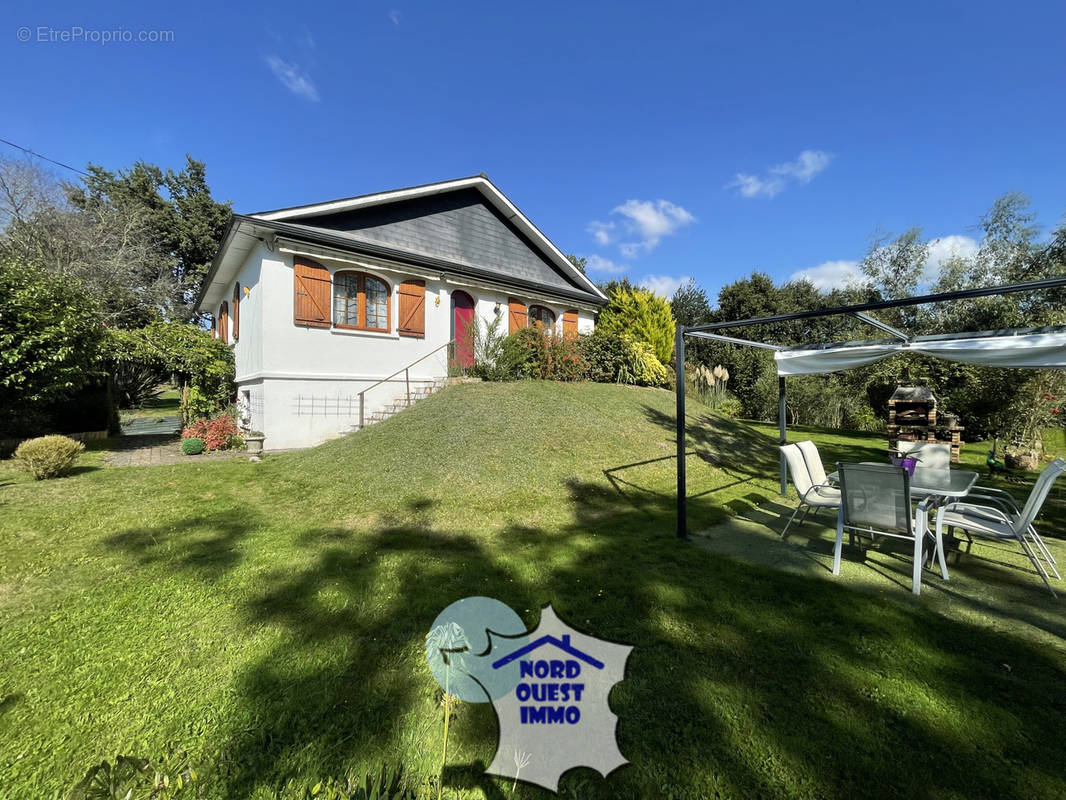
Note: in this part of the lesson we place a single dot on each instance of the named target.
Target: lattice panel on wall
(324, 406)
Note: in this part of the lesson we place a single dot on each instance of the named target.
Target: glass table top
(942, 482)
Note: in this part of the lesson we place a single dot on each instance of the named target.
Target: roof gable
(466, 221)
(459, 226)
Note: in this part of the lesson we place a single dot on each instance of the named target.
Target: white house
(321, 302)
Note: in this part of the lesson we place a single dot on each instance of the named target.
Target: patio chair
(931, 455)
(1005, 521)
(813, 494)
(876, 499)
(813, 461)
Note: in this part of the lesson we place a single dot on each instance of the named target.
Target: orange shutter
(223, 322)
(311, 294)
(516, 317)
(570, 323)
(413, 308)
(236, 312)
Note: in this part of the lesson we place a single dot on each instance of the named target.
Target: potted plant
(253, 440)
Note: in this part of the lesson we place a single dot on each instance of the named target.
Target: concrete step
(423, 390)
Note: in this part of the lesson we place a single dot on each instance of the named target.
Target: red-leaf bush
(219, 433)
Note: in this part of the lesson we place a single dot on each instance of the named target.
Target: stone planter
(1017, 459)
(254, 444)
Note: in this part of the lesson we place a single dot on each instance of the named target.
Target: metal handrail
(407, 378)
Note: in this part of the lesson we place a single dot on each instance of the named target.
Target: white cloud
(602, 232)
(754, 186)
(651, 221)
(662, 285)
(293, 77)
(395, 17)
(596, 263)
(838, 274)
(944, 249)
(777, 178)
(809, 164)
(831, 275)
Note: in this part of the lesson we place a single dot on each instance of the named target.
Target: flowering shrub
(220, 433)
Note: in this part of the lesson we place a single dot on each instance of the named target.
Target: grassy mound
(268, 618)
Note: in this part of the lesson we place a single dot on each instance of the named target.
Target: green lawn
(268, 618)
(166, 404)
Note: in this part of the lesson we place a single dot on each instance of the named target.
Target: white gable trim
(484, 185)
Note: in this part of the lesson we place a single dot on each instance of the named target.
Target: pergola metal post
(782, 430)
(679, 375)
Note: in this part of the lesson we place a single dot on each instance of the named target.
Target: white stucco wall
(303, 383)
(248, 347)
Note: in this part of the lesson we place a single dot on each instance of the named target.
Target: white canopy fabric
(1045, 350)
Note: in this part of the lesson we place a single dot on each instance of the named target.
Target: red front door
(463, 328)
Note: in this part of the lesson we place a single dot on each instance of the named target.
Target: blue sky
(660, 140)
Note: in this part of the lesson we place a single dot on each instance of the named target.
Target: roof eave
(340, 242)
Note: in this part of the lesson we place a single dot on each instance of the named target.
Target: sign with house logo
(549, 687)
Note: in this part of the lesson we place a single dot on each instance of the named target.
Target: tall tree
(183, 220)
(578, 261)
(689, 304)
(108, 250)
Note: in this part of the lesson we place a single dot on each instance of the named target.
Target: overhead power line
(35, 154)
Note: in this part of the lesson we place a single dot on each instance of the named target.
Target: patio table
(946, 484)
(943, 485)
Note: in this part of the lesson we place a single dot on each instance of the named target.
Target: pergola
(1027, 348)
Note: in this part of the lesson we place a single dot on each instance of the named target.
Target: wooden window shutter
(223, 322)
(236, 312)
(516, 315)
(214, 329)
(311, 294)
(412, 308)
(569, 323)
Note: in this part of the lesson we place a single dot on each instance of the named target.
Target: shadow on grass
(744, 682)
(81, 470)
(204, 546)
(9, 701)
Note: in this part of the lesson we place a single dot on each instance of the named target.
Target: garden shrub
(166, 348)
(645, 368)
(196, 405)
(823, 401)
(618, 358)
(641, 315)
(135, 384)
(218, 433)
(48, 456)
(192, 446)
(603, 353)
(522, 353)
(497, 357)
(537, 353)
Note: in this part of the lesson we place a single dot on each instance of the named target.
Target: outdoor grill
(912, 417)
